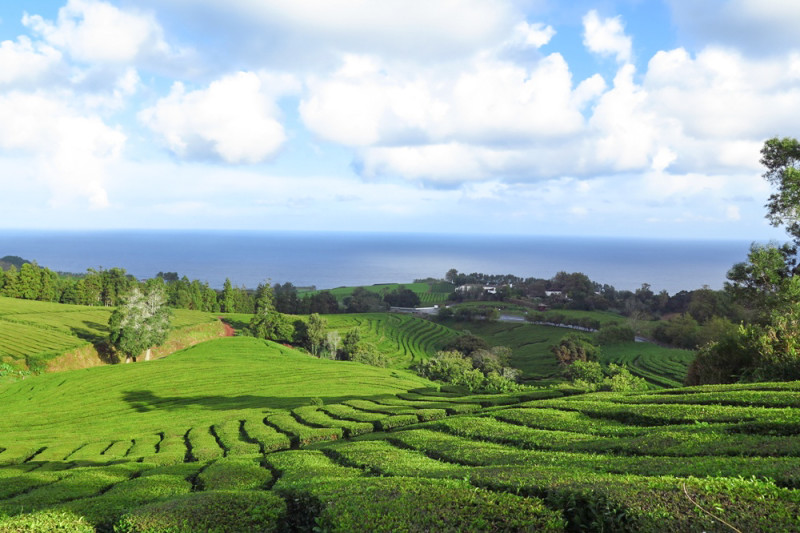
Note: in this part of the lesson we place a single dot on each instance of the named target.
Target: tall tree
(316, 333)
(769, 285)
(267, 322)
(228, 300)
(140, 322)
(781, 157)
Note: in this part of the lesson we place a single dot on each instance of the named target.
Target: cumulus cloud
(93, 31)
(71, 148)
(606, 37)
(488, 101)
(531, 35)
(25, 61)
(235, 119)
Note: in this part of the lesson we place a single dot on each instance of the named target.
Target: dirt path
(229, 331)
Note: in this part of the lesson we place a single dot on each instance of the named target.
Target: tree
(316, 333)
(228, 301)
(466, 344)
(351, 344)
(781, 157)
(332, 342)
(574, 348)
(364, 301)
(267, 322)
(140, 322)
(402, 297)
(768, 284)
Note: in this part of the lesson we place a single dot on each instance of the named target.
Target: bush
(574, 347)
(209, 511)
(466, 344)
(589, 372)
(45, 522)
(234, 474)
(591, 375)
(619, 379)
(413, 504)
(613, 334)
(369, 356)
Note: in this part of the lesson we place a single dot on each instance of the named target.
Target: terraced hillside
(405, 339)
(36, 334)
(227, 434)
(531, 343)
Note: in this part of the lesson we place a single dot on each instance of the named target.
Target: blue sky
(610, 118)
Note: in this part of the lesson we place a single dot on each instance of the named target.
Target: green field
(34, 334)
(225, 436)
(603, 317)
(429, 293)
(530, 345)
(404, 339)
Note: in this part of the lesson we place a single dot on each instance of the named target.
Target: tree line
(27, 280)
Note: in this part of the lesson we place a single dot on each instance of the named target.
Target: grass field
(429, 293)
(530, 345)
(224, 436)
(404, 339)
(35, 334)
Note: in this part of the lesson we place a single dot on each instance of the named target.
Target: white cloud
(446, 163)
(532, 35)
(93, 31)
(235, 119)
(398, 28)
(626, 132)
(760, 27)
(70, 147)
(26, 61)
(486, 101)
(721, 94)
(606, 37)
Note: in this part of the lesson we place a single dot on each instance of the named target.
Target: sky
(623, 118)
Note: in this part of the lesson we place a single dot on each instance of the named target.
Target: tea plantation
(38, 335)
(238, 434)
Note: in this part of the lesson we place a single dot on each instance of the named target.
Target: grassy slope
(41, 332)
(230, 376)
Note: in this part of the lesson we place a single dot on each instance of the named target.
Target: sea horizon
(329, 259)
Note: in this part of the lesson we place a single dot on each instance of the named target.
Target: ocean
(328, 260)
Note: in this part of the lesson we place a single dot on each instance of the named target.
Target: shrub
(573, 348)
(234, 474)
(45, 522)
(412, 504)
(613, 334)
(209, 511)
(619, 379)
(585, 372)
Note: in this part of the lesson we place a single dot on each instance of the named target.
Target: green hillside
(228, 435)
(429, 293)
(405, 339)
(36, 334)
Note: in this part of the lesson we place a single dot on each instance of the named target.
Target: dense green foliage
(224, 436)
(140, 322)
(767, 347)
